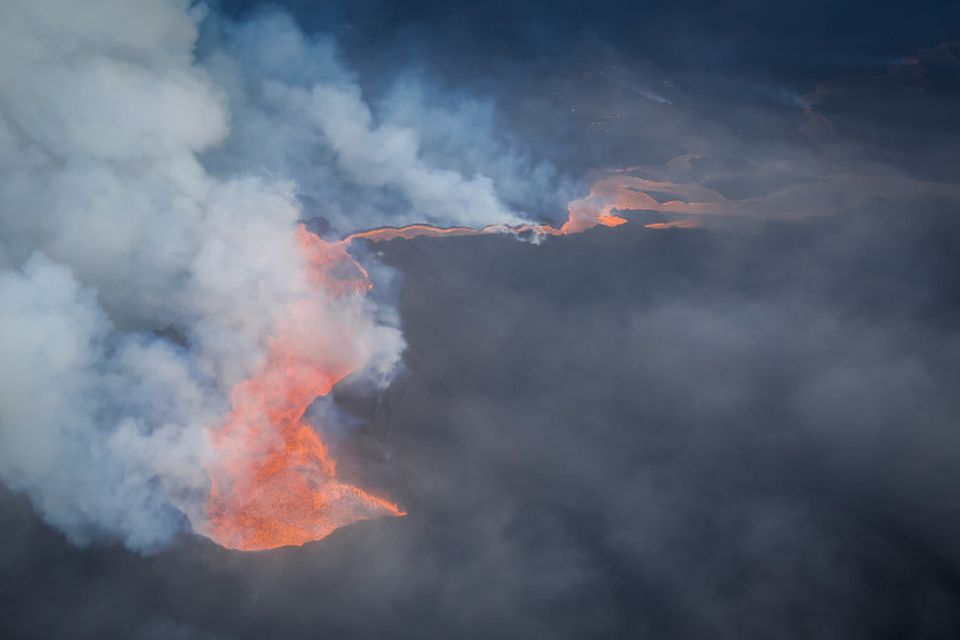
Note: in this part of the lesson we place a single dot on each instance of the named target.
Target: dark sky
(799, 41)
(743, 431)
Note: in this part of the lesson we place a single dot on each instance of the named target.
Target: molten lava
(615, 193)
(581, 219)
(382, 234)
(276, 483)
(683, 223)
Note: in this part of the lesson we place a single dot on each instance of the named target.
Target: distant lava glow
(616, 193)
(274, 482)
(683, 223)
(583, 215)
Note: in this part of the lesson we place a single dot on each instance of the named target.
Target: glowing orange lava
(579, 219)
(683, 223)
(609, 220)
(275, 483)
(614, 193)
(382, 234)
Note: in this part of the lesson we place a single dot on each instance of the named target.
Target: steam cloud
(741, 431)
(152, 177)
(147, 224)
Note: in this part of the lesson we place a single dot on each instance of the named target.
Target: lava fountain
(274, 482)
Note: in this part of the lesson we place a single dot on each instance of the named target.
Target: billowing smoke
(148, 209)
(420, 156)
(156, 161)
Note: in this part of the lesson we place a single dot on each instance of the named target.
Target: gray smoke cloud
(411, 154)
(148, 202)
(742, 430)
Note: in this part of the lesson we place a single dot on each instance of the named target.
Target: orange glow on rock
(674, 224)
(275, 483)
(383, 234)
(609, 220)
(577, 222)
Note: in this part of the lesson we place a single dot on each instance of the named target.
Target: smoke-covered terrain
(734, 415)
(630, 433)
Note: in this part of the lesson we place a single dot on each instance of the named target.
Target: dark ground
(736, 433)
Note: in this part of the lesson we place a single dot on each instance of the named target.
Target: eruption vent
(275, 482)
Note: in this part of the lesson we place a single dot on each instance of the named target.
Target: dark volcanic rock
(629, 433)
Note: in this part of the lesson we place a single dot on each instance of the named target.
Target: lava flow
(616, 193)
(276, 483)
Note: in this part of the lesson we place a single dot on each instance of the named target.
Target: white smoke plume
(413, 154)
(147, 213)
